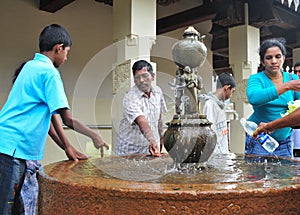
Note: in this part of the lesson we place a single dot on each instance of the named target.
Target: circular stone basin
(228, 184)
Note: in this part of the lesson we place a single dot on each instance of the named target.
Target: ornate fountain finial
(191, 30)
(190, 51)
(188, 54)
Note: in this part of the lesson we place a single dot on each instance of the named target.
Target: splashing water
(229, 168)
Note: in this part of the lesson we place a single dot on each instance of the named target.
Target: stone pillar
(296, 55)
(244, 61)
(134, 31)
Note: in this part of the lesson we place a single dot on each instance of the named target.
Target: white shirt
(214, 109)
(296, 138)
(136, 103)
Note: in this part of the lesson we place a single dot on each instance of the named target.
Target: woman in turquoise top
(268, 92)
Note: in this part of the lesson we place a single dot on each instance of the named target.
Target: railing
(103, 127)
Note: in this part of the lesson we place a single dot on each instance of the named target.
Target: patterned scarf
(29, 191)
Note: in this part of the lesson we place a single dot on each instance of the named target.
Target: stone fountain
(141, 184)
(189, 138)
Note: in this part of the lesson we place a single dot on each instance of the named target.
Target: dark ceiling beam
(109, 2)
(159, 2)
(272, 18)
(219, 44)
(220, 63)
(53, 5)
(289, 34)
(287, 15)
(192, 16)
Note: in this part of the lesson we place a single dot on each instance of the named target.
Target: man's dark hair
(52, 35)
(138, 65)
(224, 79)
(297, 64)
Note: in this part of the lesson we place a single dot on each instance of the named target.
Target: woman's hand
(293, 85)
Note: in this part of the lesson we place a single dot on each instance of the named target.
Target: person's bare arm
(142, 122)
(290, 120)
(54, 136)
(76, 125)
(58, 135)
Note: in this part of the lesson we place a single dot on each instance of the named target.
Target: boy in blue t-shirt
(36, 95)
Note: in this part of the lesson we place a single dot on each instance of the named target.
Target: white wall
(90, 26)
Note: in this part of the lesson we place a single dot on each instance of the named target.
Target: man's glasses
(144, 76)
(296, 70)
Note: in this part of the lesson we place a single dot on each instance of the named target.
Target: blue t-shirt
(25, 118)
(266, 102)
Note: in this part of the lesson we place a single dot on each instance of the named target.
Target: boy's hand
(99, 143)
(73, 154)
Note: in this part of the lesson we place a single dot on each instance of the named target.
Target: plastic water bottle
(268, 142)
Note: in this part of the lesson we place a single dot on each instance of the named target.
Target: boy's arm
(76, 125)
(54, 136)
(58, 135)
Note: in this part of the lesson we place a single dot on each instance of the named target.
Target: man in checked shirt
(141, 127)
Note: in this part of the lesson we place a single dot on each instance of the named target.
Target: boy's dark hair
(138, 65)
(52, 35)
(224, 79)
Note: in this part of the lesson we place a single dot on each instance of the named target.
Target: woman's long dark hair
(17, 71)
